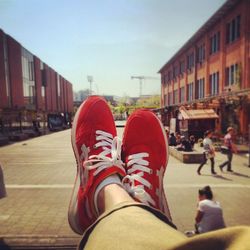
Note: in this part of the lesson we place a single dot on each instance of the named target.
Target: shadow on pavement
(217, 176)
(241, 175)
(221, 177)
(246, 165)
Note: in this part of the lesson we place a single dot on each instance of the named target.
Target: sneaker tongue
(137, 149)
(98, 151)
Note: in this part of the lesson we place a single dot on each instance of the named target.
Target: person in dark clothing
(172, 140)
(178, 138)
(185, 144)
(192, 141)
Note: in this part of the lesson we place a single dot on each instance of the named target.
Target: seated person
(178, 138)
(185, 145)
(192, 141)
(209, 215)
(172, 140)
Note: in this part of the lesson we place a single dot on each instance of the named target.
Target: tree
(149, 101)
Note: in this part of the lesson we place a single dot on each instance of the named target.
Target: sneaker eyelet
(151, 171)
(94, 147)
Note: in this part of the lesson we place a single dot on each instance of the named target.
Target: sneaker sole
(73, 204)
(165, 203)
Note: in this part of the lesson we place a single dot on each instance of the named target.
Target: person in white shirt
(208, 153)
(209, 215)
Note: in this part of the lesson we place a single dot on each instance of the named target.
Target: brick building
(211, 71)
(30, 90)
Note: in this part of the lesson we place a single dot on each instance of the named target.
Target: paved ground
(39, 174)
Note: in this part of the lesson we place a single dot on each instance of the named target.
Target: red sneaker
(97, 153)
(145, 153)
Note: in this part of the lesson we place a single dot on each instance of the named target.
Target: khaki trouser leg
(135, 226)
(132, 227)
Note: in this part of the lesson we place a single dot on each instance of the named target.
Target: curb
(35, 242)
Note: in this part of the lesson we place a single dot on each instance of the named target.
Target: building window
(170, 75)
(233, 30)
(166, 79)
(28, 77)
(31, 71)
(162, 79)
(44, 78)
(175, 72)
(42, 73)
(43, 91)
(201, 88)
(201, 53)
(6, 68)
(182, 67)
(215, 43)
(190, 92)
(165, 100)
(58, 85)
(41, 65)
(232, 75)
(190, 61)
(214, 83)
(170, 98)
(182, 94)
(176, 96)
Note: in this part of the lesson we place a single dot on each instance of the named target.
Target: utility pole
(90, 80)
(140, 78)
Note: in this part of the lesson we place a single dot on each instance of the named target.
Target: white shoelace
(139, 165)
(109, 145)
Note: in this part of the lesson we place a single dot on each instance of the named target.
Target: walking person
(208, 153)
(230, 149)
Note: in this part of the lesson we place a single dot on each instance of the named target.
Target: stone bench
(186, 157)
(18, 137)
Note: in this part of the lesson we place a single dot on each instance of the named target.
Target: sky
(108, 40)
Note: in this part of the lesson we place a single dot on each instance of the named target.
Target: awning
(195, 114)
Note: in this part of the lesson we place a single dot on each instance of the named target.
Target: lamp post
(90, 80)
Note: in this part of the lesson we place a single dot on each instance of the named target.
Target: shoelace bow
(138, 165)
(111, 146)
